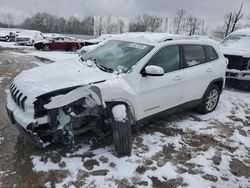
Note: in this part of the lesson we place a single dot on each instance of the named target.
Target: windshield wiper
(101, 67)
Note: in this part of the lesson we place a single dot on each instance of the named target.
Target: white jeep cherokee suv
(122, 84)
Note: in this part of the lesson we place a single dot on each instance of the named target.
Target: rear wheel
(210, 100)
(46, 48)
(122, 134)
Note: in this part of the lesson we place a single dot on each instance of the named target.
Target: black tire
(122, 134)
(46, 47)
(204, 107)
(74, 49)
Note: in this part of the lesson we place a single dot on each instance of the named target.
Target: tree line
(180, 23)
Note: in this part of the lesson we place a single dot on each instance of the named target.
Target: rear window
(210, 53)
(194, 55)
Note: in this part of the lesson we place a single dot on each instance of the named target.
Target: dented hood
(48, 78)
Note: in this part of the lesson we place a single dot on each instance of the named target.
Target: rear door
(159, 93)
(198, 72)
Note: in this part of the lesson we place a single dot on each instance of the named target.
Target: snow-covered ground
(185, 150)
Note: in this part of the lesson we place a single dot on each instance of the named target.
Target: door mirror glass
(153, 70)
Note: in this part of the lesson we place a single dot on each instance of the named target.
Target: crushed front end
(57, 116)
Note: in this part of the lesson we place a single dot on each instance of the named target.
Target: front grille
(20, 39)
(237, 62)
(18, 97)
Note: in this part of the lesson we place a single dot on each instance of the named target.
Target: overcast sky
(212, 10)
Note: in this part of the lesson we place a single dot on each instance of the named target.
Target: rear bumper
(31, 137)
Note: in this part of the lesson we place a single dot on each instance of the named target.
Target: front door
(159, 93)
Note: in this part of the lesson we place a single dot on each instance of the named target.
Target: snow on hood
(240, 47)
(55, 76)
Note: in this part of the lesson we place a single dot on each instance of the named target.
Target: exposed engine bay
(74, 113)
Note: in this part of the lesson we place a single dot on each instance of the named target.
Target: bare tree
(120, 25)
(179, 16)
(9, 20)
(231, 20)
(237, 17)
(193, 24)
(228, 19)
(53, 24)
(248, 21)
(145, 22)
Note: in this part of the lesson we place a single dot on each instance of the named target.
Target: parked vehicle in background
(123, 83)
(7, 36)
(28, 37)
(58, 43)
(93, 46)
(236, 48)
(97, 40)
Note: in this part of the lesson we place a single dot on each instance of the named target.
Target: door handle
(177, 78)
(209, 70)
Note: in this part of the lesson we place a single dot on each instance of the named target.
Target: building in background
(110, 25)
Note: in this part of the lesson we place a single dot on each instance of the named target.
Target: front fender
(75, 95)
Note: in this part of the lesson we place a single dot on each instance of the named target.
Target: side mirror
(153, 70)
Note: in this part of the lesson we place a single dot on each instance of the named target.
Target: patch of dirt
(99, 172)
(44, 60)
(210, 178)
(217, 159)
(141, 169)
(173, 183)
(90, 163)
(238, 168)
(206, 141)
(163, 129)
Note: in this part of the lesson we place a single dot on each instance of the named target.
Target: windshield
(232, 39)
(118, 55)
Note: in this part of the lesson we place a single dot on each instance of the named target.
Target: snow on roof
(147, 37)
(242, 32)
(153, 37)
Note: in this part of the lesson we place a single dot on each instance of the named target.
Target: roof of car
(147, 37)
(156, 39)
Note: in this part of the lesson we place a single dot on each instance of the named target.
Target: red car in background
(58, 43)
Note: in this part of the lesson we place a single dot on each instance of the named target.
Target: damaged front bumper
(29, 135)
(62, 122)
(238, 79)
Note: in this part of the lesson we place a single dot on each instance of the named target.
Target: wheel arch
(218, 82)
(111, 104)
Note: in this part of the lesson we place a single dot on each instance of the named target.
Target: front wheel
(209, 100)
(122, 134)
